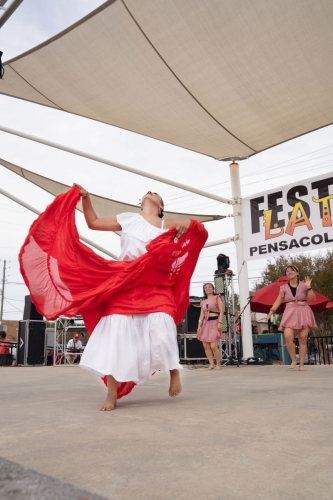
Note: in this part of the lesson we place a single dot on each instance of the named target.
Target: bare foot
(302, 369)
(175, 385)
(292, 366)
(217, 367)
(211, 367)
(110, 403)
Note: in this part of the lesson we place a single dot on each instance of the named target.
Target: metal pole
(3, 290)
(115, 164)
(221, 242)
(243, 280)
(38, 212)
(8, 11)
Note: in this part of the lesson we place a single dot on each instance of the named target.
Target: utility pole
(3, 290)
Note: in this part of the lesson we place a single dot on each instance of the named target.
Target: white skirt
(131, 348)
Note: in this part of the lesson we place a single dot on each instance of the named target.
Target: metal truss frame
(229, 348)
(62, 326)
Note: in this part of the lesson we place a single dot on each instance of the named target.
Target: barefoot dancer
(130, 347)
(297, 314)
(130, 306)
(210, 325)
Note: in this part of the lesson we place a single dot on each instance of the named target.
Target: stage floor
(262, 432)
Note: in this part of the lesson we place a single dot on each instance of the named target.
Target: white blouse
(136, 233)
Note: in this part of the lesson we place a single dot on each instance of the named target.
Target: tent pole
(115, 164)
(221, 242)
(243, 279)
(32, 209)
(8, 11)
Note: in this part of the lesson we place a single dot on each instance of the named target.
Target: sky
(34, 22)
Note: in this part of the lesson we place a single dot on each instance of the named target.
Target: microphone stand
(233, 361)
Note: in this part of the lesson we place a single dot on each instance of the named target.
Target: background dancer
(210, 325)
(297, 315)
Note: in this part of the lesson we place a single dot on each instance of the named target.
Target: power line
(21, 310)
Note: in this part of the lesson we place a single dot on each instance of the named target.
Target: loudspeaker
(190, 347)
(194, 348)
(31, 343)
(30, 311)
(220, 285)
(191, 319)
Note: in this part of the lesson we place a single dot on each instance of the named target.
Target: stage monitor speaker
(30, 311)
(31, 343)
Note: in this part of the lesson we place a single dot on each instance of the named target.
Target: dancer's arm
(202, 314)
(94, 222)
(181, 226)
(220, 305)
(310, 293)
(274, 307)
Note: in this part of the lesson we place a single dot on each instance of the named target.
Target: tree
(319, 267)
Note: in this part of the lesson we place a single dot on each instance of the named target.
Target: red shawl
(65, 277)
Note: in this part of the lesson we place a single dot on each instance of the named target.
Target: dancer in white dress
(125, 346)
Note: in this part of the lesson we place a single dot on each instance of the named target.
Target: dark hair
(3, 334)
(203, 289)
(161, 212)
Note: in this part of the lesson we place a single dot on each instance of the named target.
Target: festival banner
(288, 219)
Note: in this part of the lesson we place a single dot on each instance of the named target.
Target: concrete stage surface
(257, 432)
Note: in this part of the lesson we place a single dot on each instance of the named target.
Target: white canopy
(223, 78)
(103, 206)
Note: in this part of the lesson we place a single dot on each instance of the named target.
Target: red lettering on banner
(296, 221)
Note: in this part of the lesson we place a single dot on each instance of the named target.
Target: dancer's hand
(83, 192)
(307, 281)
(182, 228)
(219, 327)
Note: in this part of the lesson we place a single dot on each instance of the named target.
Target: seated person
(5, 357)
(254, 330)
(72, 344)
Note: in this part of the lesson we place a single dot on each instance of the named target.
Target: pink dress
(296, 315)
(209, 332)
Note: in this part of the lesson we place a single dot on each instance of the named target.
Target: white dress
(132, 347)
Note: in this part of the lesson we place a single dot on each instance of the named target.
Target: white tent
(103, 206)
(224, 78)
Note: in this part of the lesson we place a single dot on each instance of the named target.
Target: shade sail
(104, 207)
(223, 78)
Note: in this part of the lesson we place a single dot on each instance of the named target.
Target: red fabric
(263, 299)
(160, 298)
(3, 348)
(65, 277)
